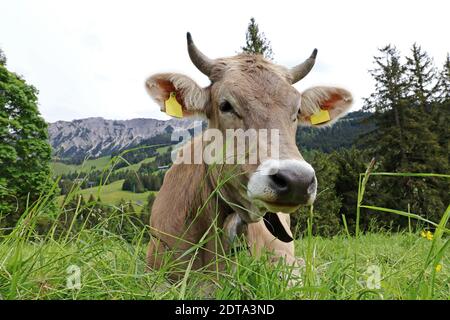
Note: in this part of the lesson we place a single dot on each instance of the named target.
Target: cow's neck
(201, 184)
(189, 203)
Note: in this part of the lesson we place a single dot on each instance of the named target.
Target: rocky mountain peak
(97, 136)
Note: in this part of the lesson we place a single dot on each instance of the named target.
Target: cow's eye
(225, 106)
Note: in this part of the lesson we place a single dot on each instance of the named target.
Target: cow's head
(250, 92)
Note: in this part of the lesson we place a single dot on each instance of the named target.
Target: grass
(111, 265)
(112, 268)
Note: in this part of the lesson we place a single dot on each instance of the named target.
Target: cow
(198, 203)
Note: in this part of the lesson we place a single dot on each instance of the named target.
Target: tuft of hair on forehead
(247, 64)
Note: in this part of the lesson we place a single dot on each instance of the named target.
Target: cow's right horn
(202, 62)
(300, 71)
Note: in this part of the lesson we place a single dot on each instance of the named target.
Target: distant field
(113, 193)
(98, 164)
(135, 167)
(89, 165)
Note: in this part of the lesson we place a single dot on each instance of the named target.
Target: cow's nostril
(292, 185)
(287, 183)
(279, 180)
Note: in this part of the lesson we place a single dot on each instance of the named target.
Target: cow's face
(249, 92)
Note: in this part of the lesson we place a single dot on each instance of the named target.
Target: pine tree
(424, 150)
(256, 41)
(2, 58)
(443, 86)
(421, 76)
(442, 109)
(441, 116)
(387, 104)
(406, 139)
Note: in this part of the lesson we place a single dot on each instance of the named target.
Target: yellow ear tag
(320, 117)
(173, 107)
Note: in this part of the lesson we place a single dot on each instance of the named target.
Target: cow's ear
(192, 98)
(321, 106)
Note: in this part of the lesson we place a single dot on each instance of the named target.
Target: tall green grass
(113, 264)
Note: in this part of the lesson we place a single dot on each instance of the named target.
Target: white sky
(90, 58)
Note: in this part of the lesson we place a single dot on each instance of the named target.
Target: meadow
(59, 168)
(112, 194)
(108, 260)
(95, 263)
(112, 268)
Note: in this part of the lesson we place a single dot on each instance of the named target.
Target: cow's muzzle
(282, 185)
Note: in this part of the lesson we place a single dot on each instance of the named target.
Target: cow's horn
(300, 71)
(202, 62)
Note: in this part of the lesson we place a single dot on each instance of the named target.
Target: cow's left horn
(300, 71)
(202, 62)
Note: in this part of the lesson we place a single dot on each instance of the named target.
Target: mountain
(98, 137)
(73, 140)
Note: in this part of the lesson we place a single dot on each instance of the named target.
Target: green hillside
(135, 166)
(89, 165)
(98, 164)
(113, 193)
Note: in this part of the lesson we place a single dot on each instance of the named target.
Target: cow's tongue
(276, 228)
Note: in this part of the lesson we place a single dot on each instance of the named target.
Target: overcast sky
(90, 58)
